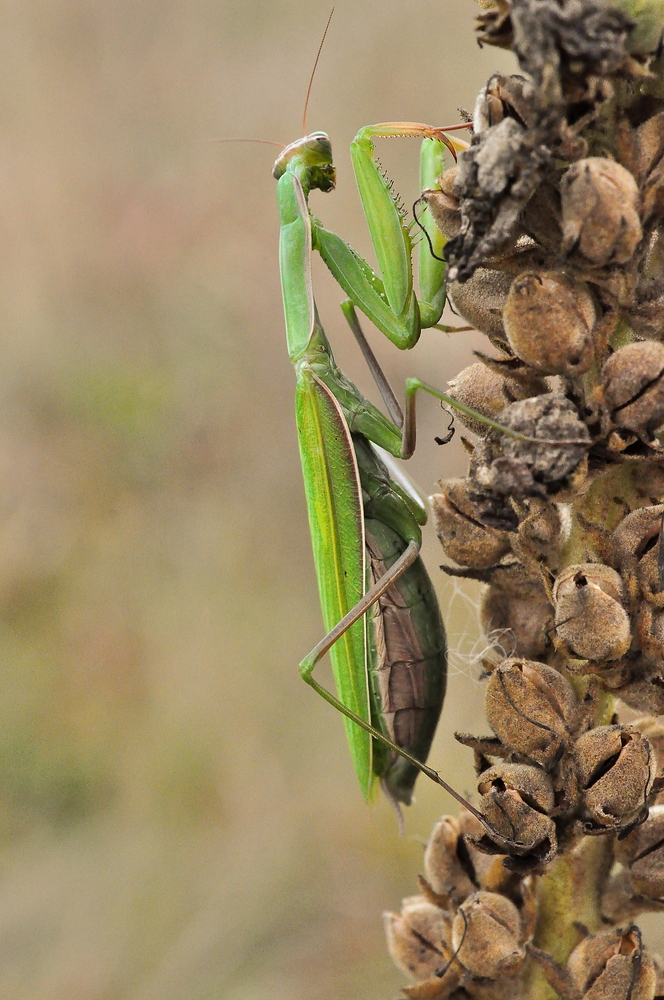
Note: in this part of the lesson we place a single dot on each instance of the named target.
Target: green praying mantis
(385, 633)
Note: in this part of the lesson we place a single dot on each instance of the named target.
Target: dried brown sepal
(600, 208)
(549, 320)
(590, 613)
(532, 709)
(458, 523)
(516, 800)
(486, 936)
(613, 965)
(616, 770)
(488, 391)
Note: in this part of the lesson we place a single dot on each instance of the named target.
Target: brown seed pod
(447, 867)
(642, 854)
(589, 612)
(460, 530)
(643, 685)
(613, 965)
(443, 203)
(481, 300)
(636, 533)
(520, 469)
(419, 939)
(503, 97)
(516, 800)
(486, 935)
(600, 201)
(549, 320)
(532, 709)
(633, 388)
(519, 626)
(616, 769)
(489, 392)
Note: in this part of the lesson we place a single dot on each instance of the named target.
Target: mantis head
(311, 159)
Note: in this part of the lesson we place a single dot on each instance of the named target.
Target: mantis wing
(334, 502)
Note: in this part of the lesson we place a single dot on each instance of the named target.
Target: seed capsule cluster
(555, 227)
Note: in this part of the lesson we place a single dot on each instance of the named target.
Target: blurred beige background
(178, 814)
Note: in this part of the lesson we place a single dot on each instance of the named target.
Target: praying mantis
(390, 671)
(385, 632)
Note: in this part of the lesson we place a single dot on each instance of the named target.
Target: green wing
(334, 502)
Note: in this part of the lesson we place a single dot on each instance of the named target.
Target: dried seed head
(613, 966)
(418, 939)
(549, 320)
(616, 769)
(524, 468)
(600, 211)
(459, 527)
(489, 392)
(520, 626)
(532, 709)
(447, 867)
(642, 853)
(633, 388)
(589, 612)
(443, 203)
(481, 300)
(516, 802)
(487, 931)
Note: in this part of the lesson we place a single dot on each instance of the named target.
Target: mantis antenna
(313, 73)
